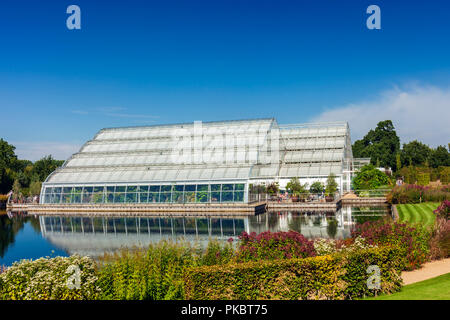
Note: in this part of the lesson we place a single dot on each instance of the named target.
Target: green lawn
(417, 213)
(432, 289)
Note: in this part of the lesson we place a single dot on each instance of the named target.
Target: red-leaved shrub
(412, 240)
(274, 245)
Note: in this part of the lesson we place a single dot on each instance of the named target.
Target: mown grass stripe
(426, 213)
(401, 213)
(417, 213)
(415, 216)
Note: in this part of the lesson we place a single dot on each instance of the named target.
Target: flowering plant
(412, 240)
(274, 245)
(443, 210)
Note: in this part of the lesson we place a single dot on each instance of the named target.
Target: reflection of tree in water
(364, 214)
(263, 222)
(9, 228)
(296, 222)
(332, 228)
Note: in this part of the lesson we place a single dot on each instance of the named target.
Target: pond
(25, 236)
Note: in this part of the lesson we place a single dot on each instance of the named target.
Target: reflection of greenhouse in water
(96, 235)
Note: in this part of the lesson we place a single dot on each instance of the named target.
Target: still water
(25, 236)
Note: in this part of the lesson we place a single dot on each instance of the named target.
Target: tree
(381, 144)
(16, 189)
(331, 186)
(295, 187)
(273, 188)
(414, 153)
(43, 167)
(369, 177)
(35, 188)
(316, 187)
(439, 157)
(7, 157)
(398, 162)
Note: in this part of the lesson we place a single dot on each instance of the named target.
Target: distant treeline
(24, 175)
(382, 146)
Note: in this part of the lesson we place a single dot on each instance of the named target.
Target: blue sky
(150, 62)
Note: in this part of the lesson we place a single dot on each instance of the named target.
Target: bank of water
(25, 236)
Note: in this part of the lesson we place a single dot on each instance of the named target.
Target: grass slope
(432, 289)
(417, 213)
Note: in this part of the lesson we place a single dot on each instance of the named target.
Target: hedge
(337, 276)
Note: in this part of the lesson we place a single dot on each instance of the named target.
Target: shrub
(369, 177)
(151, 274)
(269, 246)
(329, 246)
(316, 187)
(411, 193)
(217, 253)
(413, 241)
(423, 179)
(331, 185)
(46, 279)
(338, 276)
(440, 239)
(443, 210)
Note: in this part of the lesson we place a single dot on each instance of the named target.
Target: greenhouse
(200, 162)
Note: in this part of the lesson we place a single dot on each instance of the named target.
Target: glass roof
(225, 150)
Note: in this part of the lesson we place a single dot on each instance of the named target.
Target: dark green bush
(338, 276)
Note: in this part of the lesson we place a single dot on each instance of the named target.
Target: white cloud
(418, 113)
(36, 150)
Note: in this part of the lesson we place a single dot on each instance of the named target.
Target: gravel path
(428, 270)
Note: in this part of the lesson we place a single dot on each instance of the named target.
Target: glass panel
(120, 188)
(166, 188)
(66, 197)
(203, 196)
(215, 196)
(143, 188)
(143, 197)
(178, 194)
(131, 188)
(227, 187)
(109, 197)
(165, 197)
(189, 196)
(119, 197)
(202, 187)
(189, 187)
(239, 186)
(227, 196)
(215, 187)
(98, 189)
(57, 190)
(87, 196)
(239, 196)
(110, 189)
(67, 189)
(132, 197)
(57, 198)
(154, 188)
(179, 188)
(76, 195)
(97, 197)
(153, 197)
